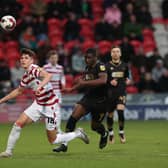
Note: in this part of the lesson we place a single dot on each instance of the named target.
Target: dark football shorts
(114, 101)
(96, 106)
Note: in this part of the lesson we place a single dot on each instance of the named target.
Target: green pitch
(146, 147)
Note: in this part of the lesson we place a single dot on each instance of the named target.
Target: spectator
(151, 61)
(144, 17)
(147, 84)
(38, 8)
(102, 30)
(16, 74)
(28, 39)
(40, 30)
(158, 70)
(128, 11)
(163, 82)
(54, 9)
(78, 62)
(113, 14)
(86, 11)
(116, 32)
(164, 7)
(133, 29)
(5, 77)
(127, 50)
(72, 28)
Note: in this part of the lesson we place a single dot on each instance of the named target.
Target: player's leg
(110, 121)
(121, 119)
(15, 134)
(77, 113)
(96, 125)
(59, 119)
(56, 138)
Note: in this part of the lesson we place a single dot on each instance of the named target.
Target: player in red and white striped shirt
(57, 80)
(45, 105)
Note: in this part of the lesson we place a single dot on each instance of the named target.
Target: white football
(8, 23)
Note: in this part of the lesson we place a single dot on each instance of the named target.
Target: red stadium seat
(104, 46)
(98, 12)
(136, 44)
(88, 44)
(70, 44)
(85, 23)
(54, 23)
(69, 80)
(149, 46)
(87, 34)
(147, 33)
(12, 45)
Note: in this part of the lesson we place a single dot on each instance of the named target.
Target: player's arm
(46, 77)
(128, 76)
(16, 92)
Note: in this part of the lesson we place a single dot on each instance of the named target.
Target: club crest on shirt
(102, 68)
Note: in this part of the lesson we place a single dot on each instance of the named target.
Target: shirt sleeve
(36, 71)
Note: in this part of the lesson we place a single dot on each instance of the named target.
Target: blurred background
(139, 27)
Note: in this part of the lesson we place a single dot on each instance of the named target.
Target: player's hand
(39, 88)
(66, 90)
(114, 82)
(128, 82)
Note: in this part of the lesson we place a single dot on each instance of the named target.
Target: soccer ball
(8, 23)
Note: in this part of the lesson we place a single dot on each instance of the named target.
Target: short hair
(115, 46)
(91, 51)
(28, 51)
(52, 52)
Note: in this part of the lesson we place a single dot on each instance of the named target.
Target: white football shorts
(49, 113)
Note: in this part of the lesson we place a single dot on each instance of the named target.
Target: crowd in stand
(71, 26)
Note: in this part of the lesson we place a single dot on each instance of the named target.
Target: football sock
(110, 123)
(100, 129)
(121, 119)
(59, 122)
(66, 137)
(13, 137)
(71, 124)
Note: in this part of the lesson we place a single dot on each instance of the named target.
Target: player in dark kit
(118, 74)
(93, 101)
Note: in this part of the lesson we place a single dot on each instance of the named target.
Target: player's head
(53, 57)
(91, 56)
(115, 53)
(27, 57)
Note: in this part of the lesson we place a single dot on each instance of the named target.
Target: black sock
(100, 129)
(121, 119)
(110, 123)
(71, 124)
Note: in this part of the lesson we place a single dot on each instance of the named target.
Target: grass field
(146, 147)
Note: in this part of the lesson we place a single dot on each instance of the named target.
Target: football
(8, 23)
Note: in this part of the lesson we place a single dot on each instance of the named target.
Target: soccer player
(44, 105)
(57, 80)
(93, 101)
(118, 74)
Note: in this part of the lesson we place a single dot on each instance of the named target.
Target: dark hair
(51, 52)
(115, 46)
(27, 51)
(91, 51)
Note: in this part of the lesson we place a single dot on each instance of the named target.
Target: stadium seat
(70, 44)
(69, 80)
(88, 44)
(98, 12)
(54, 23)
(85, 23)
(136, 44)
(87, 34)
(147, 33)
(12, 45)
(104, 46)
(149, 46)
